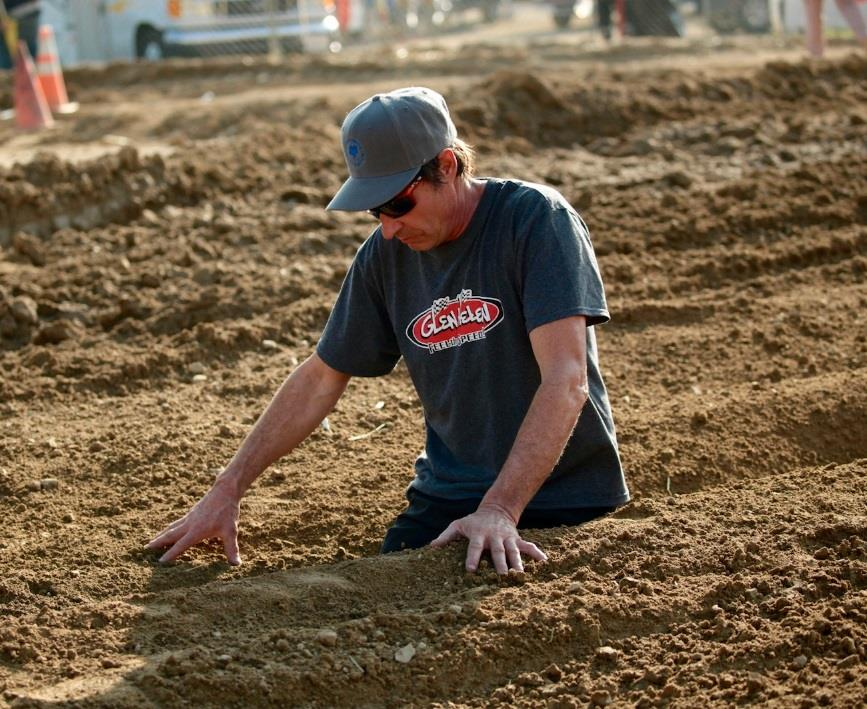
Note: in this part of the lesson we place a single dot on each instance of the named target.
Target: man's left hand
(491, 528)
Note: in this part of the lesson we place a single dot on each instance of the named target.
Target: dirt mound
(512, 105)
(150, 306)
(664, 601)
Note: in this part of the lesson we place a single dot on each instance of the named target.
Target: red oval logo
(454, 322)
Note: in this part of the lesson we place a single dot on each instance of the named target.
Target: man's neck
(469, 194)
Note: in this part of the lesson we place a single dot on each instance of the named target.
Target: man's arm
(300, 404)
(560, 348)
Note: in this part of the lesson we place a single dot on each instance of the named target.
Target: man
(23, 15)
(489, 290)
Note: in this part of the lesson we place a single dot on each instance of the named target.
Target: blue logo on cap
(355, 153)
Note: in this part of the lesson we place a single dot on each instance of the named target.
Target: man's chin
(417, 245)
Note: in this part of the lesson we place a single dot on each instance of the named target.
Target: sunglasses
(400, 204)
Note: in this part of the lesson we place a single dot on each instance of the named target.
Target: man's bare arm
(560, 349)
(302, 401)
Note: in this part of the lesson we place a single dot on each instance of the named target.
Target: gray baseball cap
(386, 140)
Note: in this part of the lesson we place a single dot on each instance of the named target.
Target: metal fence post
(275, 53)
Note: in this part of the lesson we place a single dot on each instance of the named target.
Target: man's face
(422, 228)
(430, 222)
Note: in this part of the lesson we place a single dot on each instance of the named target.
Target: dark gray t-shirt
(460, 315)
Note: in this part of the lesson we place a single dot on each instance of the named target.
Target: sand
(154, 295)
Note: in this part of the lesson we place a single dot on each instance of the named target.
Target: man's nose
(389, 226)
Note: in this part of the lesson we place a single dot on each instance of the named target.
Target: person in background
(815, 36)
(604, 12)
(25, 15)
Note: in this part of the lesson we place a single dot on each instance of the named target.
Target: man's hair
(466, 158)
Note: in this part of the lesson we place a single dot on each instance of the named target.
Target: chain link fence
(108, 30)
(203, 28)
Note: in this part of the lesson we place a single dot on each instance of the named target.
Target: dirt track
(150, 303)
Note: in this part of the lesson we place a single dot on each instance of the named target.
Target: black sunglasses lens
(400, 205)
(394, 209)
(397, 207)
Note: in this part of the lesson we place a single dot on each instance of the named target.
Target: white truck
(107, 30)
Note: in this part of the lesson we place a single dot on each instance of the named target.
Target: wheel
(149, 44)
(562, 18)
(292, 45)
(723, 16)
(755, 15)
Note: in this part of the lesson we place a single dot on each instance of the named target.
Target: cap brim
(361, 193)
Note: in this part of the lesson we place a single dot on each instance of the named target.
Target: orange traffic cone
(31, 108)
(50, 73)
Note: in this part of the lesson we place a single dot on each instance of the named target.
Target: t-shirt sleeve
(358, 338)
(559, 275)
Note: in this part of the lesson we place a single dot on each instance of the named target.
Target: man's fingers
(165, 538)
(179, 548)
(450, 534)
(532, 551)
(498, 556)
(230, 546)
(505, 548)
(514, 555)
(178, 522)
(474, 553)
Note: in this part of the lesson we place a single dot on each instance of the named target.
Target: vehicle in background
(663, 18)
(107, 30)
(490, 9)
(640, 18)
(728, 16)
(433, 15)
(564, 11)
(208, 27)
(755, 16)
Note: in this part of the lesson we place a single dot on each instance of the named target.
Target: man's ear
(448, 164)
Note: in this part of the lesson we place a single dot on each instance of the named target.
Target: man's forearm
(538, 446)
(300, 404)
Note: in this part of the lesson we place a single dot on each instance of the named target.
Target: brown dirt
(727, 196)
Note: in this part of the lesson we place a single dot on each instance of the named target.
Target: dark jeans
(28, 32)
(426, 517)
(604, 9)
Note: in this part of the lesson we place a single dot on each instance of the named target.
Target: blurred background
(111, 30)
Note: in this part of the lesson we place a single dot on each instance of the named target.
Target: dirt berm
(153, 297)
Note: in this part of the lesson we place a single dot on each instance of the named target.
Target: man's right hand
(214, 516)
(302, 401)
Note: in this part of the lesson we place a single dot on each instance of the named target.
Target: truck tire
(292, 45)
(755, 16)
(149, 44)
(490, 10)
(728, 16)
(722, 15)
(561, 21)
